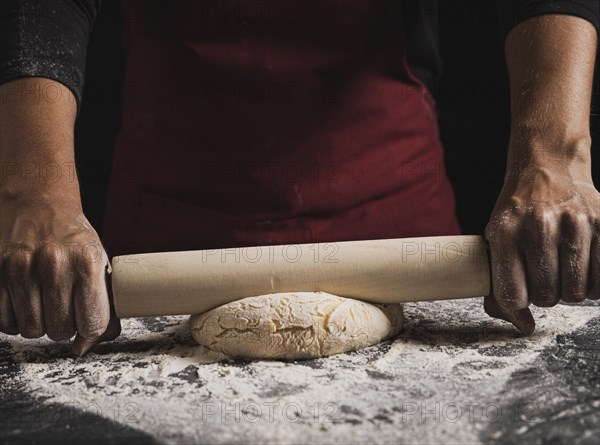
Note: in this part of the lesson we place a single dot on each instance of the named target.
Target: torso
(252, 123)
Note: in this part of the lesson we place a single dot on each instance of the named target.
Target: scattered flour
(439, 378)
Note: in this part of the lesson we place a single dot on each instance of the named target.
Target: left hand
(544, 236)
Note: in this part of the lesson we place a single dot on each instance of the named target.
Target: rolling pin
(378, 271)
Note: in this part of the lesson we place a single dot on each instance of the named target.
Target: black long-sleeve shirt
(48, 38)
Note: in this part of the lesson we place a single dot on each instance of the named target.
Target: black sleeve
(46, 38)
(512, 12)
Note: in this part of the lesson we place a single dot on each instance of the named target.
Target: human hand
(544, 237)
(54, 272)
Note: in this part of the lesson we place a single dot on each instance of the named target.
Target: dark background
(472, 101)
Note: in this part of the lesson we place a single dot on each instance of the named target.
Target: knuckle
(11, 248)
(489, 232)
(575, 297)
(575, 219)
(498, 231)
(32, 332)
(18, 264)
(574, 223)
(52, 254)
(90, 251)
(84, 269)
(60, 333)
(9, 327)
(542, 221)
(85, 266)
(546, 300)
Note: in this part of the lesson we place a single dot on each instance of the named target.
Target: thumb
(522, 319)
(82, 345)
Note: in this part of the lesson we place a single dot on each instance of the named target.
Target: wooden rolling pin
(379, 271)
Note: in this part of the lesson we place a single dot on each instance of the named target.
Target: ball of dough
(298, 325)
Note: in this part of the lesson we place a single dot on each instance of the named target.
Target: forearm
(54, 263)
(551, 64)
(37, 120)
(543, 231)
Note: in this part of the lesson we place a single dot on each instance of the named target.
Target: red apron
(271, 122)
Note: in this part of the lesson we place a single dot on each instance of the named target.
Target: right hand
(53, 272)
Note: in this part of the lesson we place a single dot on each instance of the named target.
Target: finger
(57, 294)
(25, 295)
(594, 270)
(92, 308)
(542, 261)
(509, 299)
(8, 321)
(83, 345)
(509, 286)
(522, 319)
(574, 258)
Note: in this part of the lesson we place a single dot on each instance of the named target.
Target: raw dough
(298, 325)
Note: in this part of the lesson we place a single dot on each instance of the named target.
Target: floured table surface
(452, 376)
